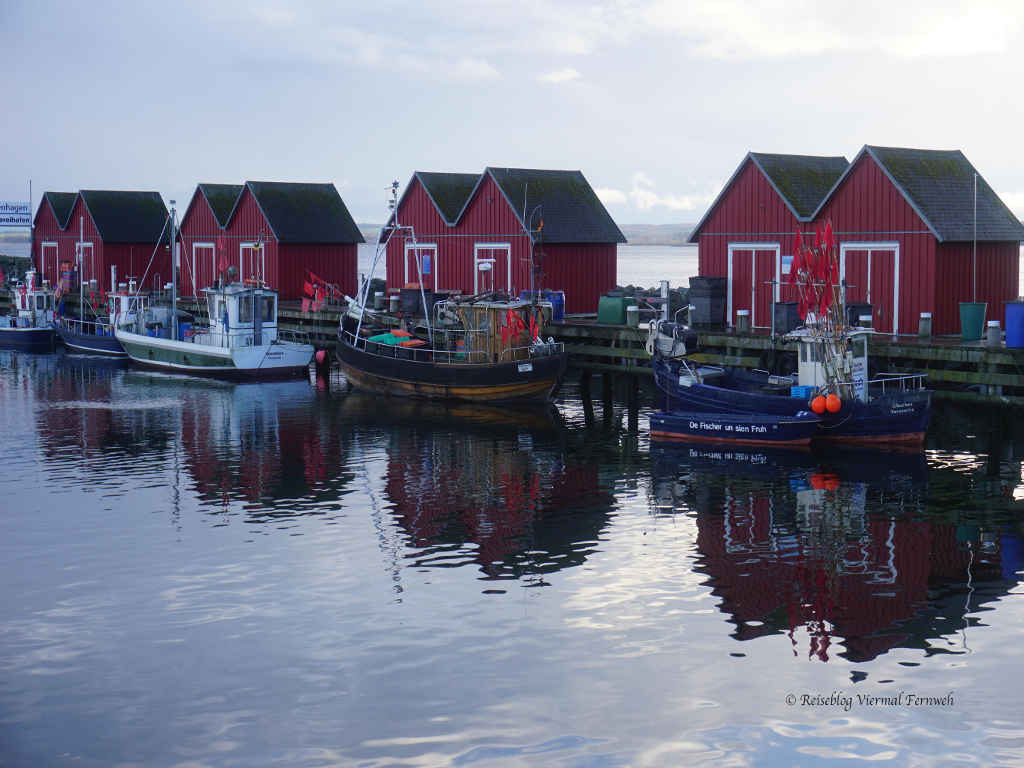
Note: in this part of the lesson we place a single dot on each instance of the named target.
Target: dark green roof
(448, 191)
(305, 213)
(568, 205)
(221, 199)
(61, 203)
(126, 217)
(801, 180)
(939, 186)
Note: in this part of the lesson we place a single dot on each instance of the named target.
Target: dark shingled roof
(126, 217)
(449, 191)
(801, 180)
(569, 207)
(305, 213)
(939, 186)
(61, 203)
(221, 199)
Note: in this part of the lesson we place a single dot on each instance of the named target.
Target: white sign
(15, 214)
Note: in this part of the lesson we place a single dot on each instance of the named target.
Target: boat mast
(174, 282)
(81, 268)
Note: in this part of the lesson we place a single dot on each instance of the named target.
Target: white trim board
(766, 246)
(893, 246)
(213, 261)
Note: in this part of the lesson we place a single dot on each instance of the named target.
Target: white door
(492, 267)
(49, 266)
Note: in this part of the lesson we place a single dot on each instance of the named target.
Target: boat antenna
(382, 243)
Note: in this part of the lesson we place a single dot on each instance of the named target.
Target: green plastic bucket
(972, 320)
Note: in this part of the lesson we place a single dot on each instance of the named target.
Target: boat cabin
(126, 304)
(32, 304)
(487, 331)
(824, 359)
(241, 315)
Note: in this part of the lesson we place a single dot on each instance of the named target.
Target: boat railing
(457, 356)
(896, 382)
(86, 327)
(295, 337)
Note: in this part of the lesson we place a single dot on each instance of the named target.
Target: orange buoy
(818, 405)
(833, 403)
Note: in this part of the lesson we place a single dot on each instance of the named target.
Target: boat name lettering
(743, 428)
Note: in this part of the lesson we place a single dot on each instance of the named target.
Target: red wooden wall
(998, 273)
(583, 271)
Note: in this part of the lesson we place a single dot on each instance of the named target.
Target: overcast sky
(656, 102)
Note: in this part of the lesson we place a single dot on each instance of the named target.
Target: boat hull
(900, 417)
(741, 429)
(91, 342)
(28, 339)
(277, 360)
(533, 380)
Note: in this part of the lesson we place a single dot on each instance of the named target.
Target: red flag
(829, 239)
(817, 238)
(307, 289)
(534, 330)
(305, 305)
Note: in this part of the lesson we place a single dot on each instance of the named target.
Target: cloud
(560, 76)
(474, 69)
(645, 197)
(610, 196)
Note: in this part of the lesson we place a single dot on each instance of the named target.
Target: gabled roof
(449, 192)
(801, 181)
(221, 198)
(939, 186)
(126, 217)
(305, 213)
(61, 203)
(564, 200)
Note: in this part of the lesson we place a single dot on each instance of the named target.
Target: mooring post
(633, 403)
(607, 391)
(588, 402)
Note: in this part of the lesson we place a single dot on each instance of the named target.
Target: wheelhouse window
(245, 309)
(269, 315)
(40, 301)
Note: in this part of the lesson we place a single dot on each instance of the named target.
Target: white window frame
(767, 246)
(893, 246)
(56, 257)
(477, 258)
(241, 259)
(195, 256)
(80, 257)
(434, 271)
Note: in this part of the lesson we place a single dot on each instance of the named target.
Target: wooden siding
(333, 263)
(199, 225)
(47, 230)
(248, 225)
(868, 208)
(998, 275)
(584, 272)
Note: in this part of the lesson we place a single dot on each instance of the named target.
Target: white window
(492, 267)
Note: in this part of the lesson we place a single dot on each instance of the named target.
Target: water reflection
(837, 550)
(497, 484)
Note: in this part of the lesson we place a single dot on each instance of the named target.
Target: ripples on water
(199, 573)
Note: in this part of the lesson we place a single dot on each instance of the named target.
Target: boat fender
(833, 404)
(818, 404)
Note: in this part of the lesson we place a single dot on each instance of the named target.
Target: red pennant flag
(305, 305)
(534, 330)
(829, 239)
(817, 238)
(307, 289)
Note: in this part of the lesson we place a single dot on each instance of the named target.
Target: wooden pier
(956, 370)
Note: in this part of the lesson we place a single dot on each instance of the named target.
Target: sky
(656, 102)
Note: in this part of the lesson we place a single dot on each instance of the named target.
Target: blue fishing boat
(831, 377)
(739, 428)
(29, 326)
(97, 336)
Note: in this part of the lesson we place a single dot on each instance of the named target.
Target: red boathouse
(903, 220)
(506, 229)
(111, 228)
(276, 231)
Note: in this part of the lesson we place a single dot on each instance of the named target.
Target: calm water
(199, 573)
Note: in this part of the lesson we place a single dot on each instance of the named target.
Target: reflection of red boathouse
(514, 505)
(842, 575)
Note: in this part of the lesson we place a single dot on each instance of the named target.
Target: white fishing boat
(241, 341)
(29, 326)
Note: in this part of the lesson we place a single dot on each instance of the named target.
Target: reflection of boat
(742, 428)
(241, 341)
(485, 348)
(29, 327)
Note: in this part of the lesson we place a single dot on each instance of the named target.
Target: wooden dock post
(588, 401)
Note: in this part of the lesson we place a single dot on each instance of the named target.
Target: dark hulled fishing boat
(485, 348)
